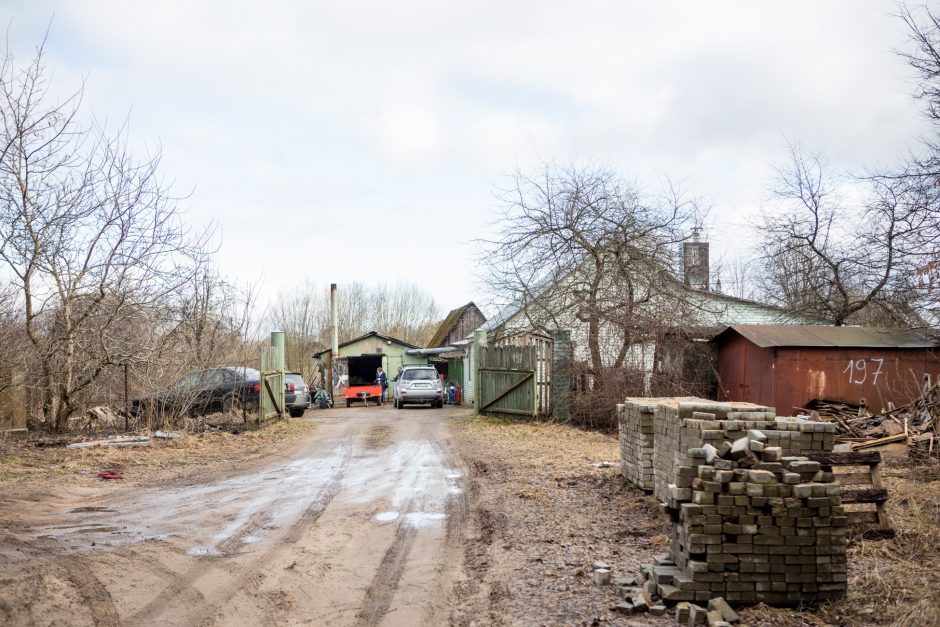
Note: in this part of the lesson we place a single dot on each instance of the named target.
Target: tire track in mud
(293, 534)
(384, 584)
(74, 569)
(455, 506)
(231, 545)
(94, 593)
(183, 585)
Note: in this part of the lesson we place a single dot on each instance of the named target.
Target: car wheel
(295, 413)
(233, 407)
(400, 405)
(348, 403)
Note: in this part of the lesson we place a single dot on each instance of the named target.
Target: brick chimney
(695, 262)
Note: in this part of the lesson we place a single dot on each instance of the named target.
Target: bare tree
(735, 278)
(90, 235)
(12, 358)
(580, 248)
(303, 314)
(845, 254)
(923, 56)
(403, 311)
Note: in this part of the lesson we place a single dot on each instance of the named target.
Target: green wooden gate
(506, 383)
(455, 371)
(271, 404)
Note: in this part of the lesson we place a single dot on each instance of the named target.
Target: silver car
(419, 385)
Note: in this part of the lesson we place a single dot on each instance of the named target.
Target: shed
(379, 350)
(458, 325)
(787, 366)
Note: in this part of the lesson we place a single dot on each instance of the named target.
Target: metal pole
(334, 353)
(334, 312)
(127, 406)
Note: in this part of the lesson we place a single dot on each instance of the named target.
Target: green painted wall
(393, 355)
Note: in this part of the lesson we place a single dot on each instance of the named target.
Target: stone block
(721, 606)
(761, 476)
(754, 434)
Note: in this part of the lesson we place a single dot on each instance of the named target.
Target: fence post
(479, 341)
(277, 341)
(561, 374)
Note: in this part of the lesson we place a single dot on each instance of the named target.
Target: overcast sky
(343, 141)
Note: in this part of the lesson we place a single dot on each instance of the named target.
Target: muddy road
(362, 523)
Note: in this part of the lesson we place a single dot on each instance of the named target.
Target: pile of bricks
(682, 424)
(656, 432)
(754, 520)
(635, 424)
(753, 525)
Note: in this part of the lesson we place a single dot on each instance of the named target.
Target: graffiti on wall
(860, 371)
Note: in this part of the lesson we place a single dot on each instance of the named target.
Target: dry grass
(530, 438)
(162, 460)
(545, 508)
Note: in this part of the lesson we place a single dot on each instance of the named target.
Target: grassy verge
(23, 462)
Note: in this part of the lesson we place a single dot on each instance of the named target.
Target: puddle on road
(89, 508)
(412, 519)
(200, 551)
(96, 529)
(386, 516)
(423, 519)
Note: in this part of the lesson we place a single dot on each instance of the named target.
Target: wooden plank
(896, 449)
(891, 439)
(855, 478)
(506, 410)
(856, 518)
(854, 458)
(874, 495)
(873, 533)
(883, 520)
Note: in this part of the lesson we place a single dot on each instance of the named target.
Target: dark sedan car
(296, 394)
(232, 390)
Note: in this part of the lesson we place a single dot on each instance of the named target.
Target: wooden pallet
(859, 474)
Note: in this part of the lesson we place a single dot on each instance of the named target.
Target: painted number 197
(858, 371)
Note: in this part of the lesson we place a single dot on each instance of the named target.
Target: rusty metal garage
(787, 366)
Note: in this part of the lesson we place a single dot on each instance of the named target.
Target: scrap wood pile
(913, 424)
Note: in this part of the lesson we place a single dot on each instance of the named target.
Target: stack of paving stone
(752, 523)
(680, 424)
(635, 423)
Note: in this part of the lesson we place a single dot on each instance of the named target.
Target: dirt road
(359, 524)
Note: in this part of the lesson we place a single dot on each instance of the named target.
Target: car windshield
(425, 374)
(247, 374)
(292, 377)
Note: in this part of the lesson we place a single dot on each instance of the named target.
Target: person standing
(382, 379)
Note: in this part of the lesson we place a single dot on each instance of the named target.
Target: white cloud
(299, 123)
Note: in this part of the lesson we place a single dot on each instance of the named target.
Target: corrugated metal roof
(767, 335)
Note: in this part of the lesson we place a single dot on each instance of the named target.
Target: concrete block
(721, 606)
